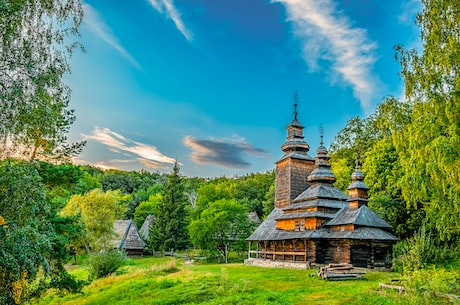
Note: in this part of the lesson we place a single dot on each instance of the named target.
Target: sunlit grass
(170, 281)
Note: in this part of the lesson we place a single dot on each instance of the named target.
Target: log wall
(359, 253)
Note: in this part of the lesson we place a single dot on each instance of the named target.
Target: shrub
(66, 282)
(421, 251)
(105, 263)
(414, 253)
(432, 286)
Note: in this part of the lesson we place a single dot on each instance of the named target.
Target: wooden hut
(321, 224)
(127, 238)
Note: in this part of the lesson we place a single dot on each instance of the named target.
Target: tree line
(50, 213)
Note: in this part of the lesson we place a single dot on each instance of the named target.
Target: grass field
(170, 281)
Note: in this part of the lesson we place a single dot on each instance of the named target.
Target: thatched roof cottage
(127, 238)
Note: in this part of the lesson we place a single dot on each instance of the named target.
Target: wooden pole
(305, 245)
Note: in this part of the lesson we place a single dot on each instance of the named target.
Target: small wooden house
(315, 222)
(127, 238)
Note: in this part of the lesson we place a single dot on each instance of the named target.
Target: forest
(52, 211)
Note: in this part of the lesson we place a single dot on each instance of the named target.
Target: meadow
(173, 281)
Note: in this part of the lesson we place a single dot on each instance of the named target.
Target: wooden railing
(273, 254)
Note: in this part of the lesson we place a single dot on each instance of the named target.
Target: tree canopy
(224, 224)
(25, 230)
(410, 150)
(98, 211)
(34, 100)
(429, 145)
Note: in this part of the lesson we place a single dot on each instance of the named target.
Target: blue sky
(210, 83)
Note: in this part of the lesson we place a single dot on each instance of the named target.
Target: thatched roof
(127, 236)
(144, 231)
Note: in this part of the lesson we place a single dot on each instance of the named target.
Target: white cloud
(145, 154)
(96, 25)
(327, 34)
(167, 8)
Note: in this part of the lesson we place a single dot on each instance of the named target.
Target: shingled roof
(321, 191)
(127, 236)
(362, 217)
(268, 231)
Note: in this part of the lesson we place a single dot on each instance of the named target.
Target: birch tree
(34, 101)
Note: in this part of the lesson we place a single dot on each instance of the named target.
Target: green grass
(167, 281)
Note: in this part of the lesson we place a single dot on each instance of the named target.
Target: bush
(413, 253)
(105, 263)
(432, 286)
(65, 282)
(421, 251)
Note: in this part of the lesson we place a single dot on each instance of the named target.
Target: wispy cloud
(228, 153)
(167, 8)
(145, 154)
(97, 26)
(327, 34)
(409, 10)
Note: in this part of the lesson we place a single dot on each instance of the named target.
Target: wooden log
(340, 265)
(388, 286)
(450, 297)
(342, 276)
(340, 268)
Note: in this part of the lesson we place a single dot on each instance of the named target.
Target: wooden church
(314, 222)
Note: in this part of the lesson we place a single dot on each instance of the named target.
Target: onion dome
(357, 189)
(295, 142)
(323, 171)
(357, 180)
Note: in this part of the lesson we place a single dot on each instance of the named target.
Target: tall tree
(220, 188)
(34, 116)
(98, 211)
(350, 143)
(169, 231)
(25, 230)
(224, 224)
(429, 146)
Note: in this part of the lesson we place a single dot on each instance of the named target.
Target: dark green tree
(169, 231)
(349, 144)
(224, 225)
(126, 182)
(251, 190)
(25, 230)
(269, 200)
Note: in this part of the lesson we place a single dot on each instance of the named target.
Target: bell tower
(295, 165)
